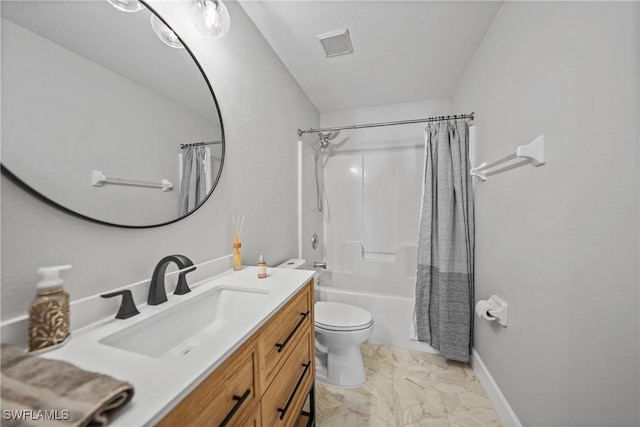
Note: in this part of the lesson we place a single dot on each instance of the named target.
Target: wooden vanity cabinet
(263, 383)
(276, 341)
(285, 396)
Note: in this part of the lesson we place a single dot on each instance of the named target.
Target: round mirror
(102, 116)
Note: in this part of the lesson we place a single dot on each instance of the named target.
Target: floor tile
(407, 388)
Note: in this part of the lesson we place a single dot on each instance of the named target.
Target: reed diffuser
(237, 222)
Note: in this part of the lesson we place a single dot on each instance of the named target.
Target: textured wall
(560, 243)
(261, 105)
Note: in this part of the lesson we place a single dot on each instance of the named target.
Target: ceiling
(403, 50)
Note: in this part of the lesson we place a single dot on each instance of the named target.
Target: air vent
(336, 43)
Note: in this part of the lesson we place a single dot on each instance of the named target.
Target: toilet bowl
(340, 329)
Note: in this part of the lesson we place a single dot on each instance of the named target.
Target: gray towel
(38, 391)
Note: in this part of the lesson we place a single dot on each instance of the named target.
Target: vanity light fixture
(165, 33)
(130, 6)
(212, 18)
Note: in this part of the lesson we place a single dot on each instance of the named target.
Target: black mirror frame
(14, 178)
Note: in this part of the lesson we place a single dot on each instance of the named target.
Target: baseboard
(502, 407)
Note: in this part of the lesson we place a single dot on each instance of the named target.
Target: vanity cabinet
(278, 338)
(263, 383)
(285, 396)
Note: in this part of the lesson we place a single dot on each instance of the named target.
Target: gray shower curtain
(195, 170)
(444, 284)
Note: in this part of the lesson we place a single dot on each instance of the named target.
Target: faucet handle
(182, 287)
(127, 306)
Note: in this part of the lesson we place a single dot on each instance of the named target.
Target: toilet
(340, 329)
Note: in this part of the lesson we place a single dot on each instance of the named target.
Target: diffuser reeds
(237, 223)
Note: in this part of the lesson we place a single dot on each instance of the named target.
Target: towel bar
(99, 179)
(533, 153)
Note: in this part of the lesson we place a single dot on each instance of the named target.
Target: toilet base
(342, 367)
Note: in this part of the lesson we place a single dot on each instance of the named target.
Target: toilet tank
(294, 263)
(299, 264)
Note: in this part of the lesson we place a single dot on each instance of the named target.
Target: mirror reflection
(103, 118)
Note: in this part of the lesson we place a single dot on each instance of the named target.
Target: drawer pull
(284, 410)
(281, 346)
(240, 400)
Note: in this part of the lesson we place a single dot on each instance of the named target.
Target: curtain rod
(401, 122)
(197, 144)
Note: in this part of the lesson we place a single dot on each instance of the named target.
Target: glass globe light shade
(130, 6)
(165, 33)
(212, 18)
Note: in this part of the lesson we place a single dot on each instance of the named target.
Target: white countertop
(159, 384)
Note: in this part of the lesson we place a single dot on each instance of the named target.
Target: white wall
(373, 179)
(262, 106)
(560, 243)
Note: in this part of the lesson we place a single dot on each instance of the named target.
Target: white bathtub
(390, 304)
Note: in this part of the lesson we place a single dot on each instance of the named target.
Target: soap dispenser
(49, 313)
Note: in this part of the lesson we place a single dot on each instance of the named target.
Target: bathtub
(390, 304)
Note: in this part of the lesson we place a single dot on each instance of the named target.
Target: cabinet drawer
(283, 330)
(227, 397)
(283, 400)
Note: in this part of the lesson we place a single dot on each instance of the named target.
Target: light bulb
(127, 5)
(212, 18)
(165, 33)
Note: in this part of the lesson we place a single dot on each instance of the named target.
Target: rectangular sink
(179, 329)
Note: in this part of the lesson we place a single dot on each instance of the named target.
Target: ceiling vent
(336, 43)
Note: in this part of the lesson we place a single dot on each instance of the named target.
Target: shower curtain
(444, 282)
(196, 177)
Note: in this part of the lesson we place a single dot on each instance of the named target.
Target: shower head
(326, 137)
(333, 134)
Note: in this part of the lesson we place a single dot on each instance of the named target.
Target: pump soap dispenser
(49, 313)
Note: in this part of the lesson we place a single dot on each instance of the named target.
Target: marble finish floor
(407, 388)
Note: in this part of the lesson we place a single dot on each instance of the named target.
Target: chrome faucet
(157, 293)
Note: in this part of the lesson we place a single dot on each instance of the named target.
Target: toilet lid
(338, 316)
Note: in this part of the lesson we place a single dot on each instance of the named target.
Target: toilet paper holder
(495, 308)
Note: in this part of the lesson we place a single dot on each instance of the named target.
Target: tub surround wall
(260, 122)
(560, 242)
(383, 284)
(380, 212)
(374, 185)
